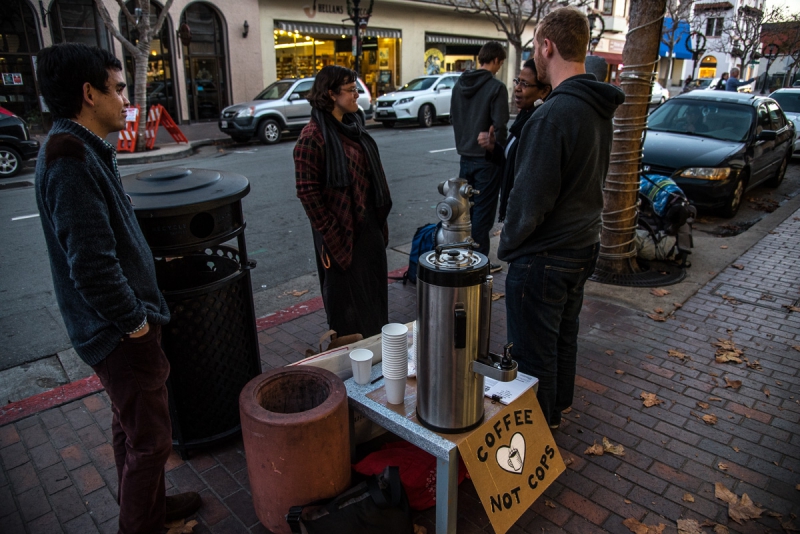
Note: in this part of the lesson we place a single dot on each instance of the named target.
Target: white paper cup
(395, 389)
(361, 361)
(394, 330)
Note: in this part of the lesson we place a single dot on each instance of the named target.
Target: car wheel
(425, 116)
(388, 124)
(10, 162)
(734, 201)
(269, 131)
(776, 180)
(240, 138)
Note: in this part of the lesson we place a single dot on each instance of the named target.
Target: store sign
(512, 458)
(12, 78)
(315, 8)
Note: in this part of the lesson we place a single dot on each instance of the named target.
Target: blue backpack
(424, 241)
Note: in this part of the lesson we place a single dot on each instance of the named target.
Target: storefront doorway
(19, 43)
(708, 67)
(204, 62)
(454, 53)
(160, 82)
(302, 49)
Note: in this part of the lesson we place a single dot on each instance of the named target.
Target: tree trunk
(140, 94)
(621, 188)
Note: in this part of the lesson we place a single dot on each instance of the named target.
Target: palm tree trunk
(620, 211)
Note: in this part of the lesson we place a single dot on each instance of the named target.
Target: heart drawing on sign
(512, 457)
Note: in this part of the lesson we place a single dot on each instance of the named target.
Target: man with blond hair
(552, 228)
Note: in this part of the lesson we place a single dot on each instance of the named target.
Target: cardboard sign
(512, 458)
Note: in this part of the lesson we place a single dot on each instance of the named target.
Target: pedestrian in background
(552, 229)
(104, 275)
(722, 82)
(480, 101)
(342, 186)
(734, 83)
(529, 93)
(686, 83)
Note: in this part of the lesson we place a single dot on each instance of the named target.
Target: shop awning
(458, 40)
(333, 29)
(612, 59)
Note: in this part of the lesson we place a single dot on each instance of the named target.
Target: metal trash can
(187, 217)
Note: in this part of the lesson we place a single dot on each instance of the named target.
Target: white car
(658, 95)
(789, 101)
(423, 100)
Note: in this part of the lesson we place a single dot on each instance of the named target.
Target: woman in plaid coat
(342, 186)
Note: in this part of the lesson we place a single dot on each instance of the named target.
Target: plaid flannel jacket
(335, 213)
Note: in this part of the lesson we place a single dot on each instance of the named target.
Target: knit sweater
(103, 271)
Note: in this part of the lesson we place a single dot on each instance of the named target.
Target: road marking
(442, 150)
(25, 217)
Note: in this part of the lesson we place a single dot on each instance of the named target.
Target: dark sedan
(718, 145)
(16, 144)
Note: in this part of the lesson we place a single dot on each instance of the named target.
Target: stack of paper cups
(394, 349)
(412, 353)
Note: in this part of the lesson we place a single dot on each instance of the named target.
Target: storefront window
(77, 21)
(302, 54)
(708, 67)
(19, 43)
(160, 86)
(205, 62)
(452, 53)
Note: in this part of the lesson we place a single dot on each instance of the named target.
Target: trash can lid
(176, 190)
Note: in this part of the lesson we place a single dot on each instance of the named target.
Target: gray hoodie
(479, 100)
(562, 161)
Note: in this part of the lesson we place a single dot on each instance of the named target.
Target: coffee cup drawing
(511, 457)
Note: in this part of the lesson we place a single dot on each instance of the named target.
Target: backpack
(424, 241)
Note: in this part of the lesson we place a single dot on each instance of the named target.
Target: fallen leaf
(627, 501)
(740, 510)
(650, 399)
(796, 347)
(594, 450)
(549, 504)
(687, 497)
(724, 494)
(568, 461)
(721, 529)
(709, 419)
(179, 527)
(567, 410)
(617, 450)
(714, 399)
(727, 351)
(620, 372)
(689, 526)
(766, 392)
(703, 405)
(736, 449)
(675, 353)
(797, 487)
(792, 308)
(677, 305)
(659, 311)
(723, 246)
(789, 526)
(649, 356)
(296, 293)
(658, 292)
(755, 365)
(657, 318)
(610, 352)
(735, 384)
(737, 266)
(640, 528)
(722, 466)
(497, 296)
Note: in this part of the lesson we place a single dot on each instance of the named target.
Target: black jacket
(479, 100)
(561, 163)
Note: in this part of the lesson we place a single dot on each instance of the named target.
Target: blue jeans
(485, 177)
(544, 295)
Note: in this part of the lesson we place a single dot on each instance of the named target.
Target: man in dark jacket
(479, 101)
(734, 83)
(552, 229)
(104, 276)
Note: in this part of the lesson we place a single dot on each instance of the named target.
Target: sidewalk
(58, 472)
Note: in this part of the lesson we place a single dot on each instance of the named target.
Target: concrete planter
(296, 440)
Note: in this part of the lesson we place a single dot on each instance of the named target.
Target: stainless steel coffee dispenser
(454, 306)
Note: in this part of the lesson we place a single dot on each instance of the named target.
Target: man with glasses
(479, 102)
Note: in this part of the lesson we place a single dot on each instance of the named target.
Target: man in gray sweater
(552, 227)
(104, 276)
(480, 101)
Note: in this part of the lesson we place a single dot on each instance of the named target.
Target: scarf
(335, 161)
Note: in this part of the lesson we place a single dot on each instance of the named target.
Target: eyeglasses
(353, 90)
(523, 83)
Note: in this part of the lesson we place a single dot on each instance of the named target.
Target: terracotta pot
(296, 440)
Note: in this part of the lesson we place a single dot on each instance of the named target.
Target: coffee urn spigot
(501, 368)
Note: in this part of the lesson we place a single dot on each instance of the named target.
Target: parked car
(717, 145)
(701, 83)
(281, 107)
(16, 144)
(423, 100)
(658, 95)
(789, 100)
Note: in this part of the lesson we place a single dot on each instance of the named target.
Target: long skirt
(356, 299)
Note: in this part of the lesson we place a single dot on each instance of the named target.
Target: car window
(303, 88)
(418, 84)
(717, 120)
(789, 102)
(764, 122)
(447, 81)
(274, 91)
(775, 116)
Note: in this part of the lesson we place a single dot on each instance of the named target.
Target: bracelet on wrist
(140, 327)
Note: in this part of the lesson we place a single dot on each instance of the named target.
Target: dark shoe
(555, 426)
(495, 267)
(182, 505)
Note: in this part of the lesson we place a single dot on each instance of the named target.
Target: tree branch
(113, 29)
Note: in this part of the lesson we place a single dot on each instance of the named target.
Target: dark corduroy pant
(134, 376)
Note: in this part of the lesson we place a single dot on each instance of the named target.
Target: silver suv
(281, 107)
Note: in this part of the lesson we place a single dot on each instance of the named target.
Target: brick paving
(58, 470)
